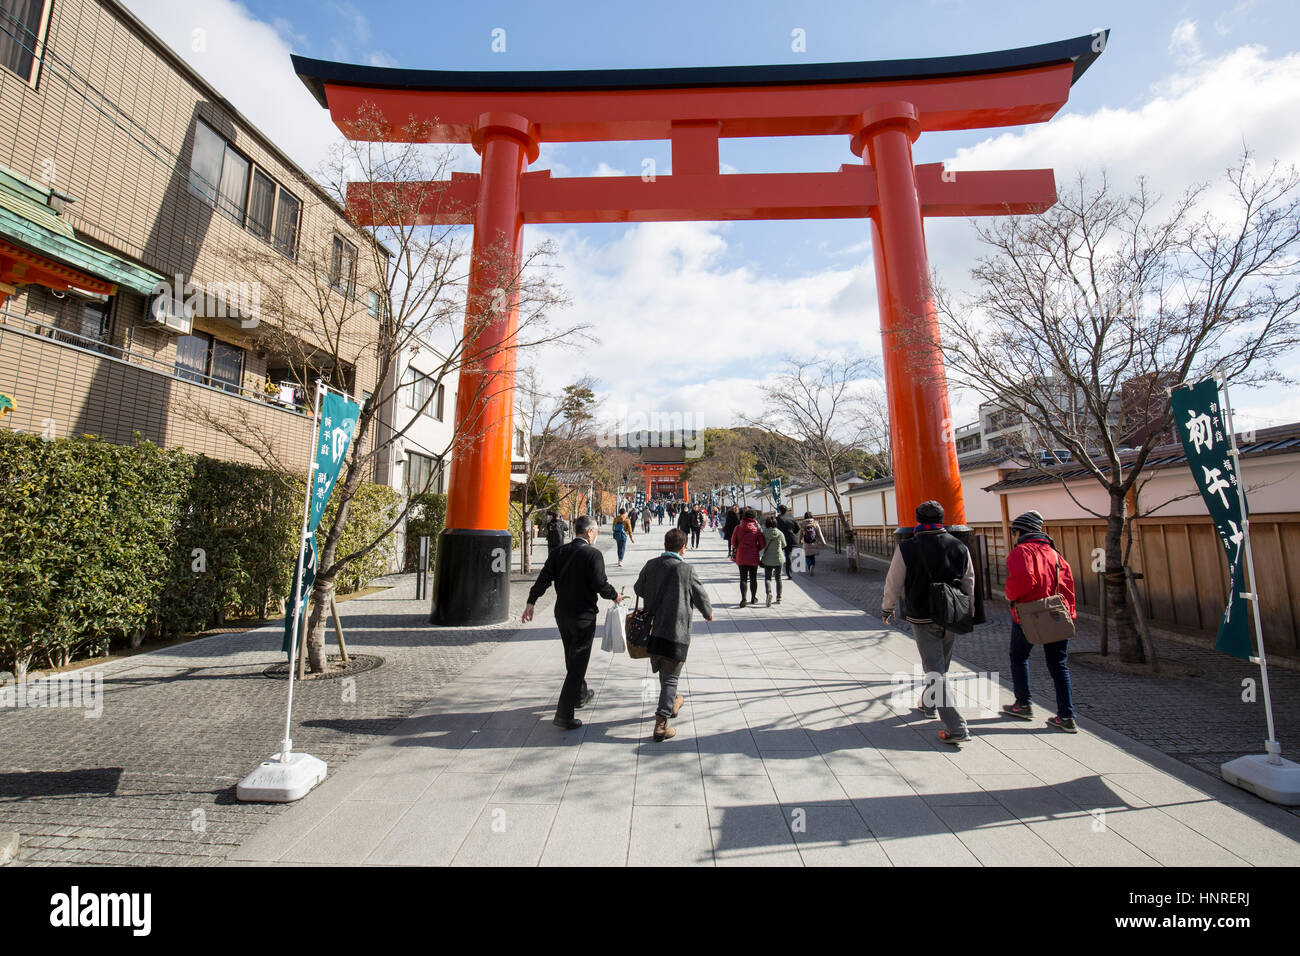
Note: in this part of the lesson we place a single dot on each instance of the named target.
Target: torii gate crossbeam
(881, 106)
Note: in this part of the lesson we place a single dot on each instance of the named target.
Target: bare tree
(1085, 316)
(413, 250)
(729, 459)
(562, 444)
(820, 411)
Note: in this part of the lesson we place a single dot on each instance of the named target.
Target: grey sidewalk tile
(1167, 841)
(998, 838)
(594, 822)
(432, 830)
(347, 834)
(801, 777)
(749, 826)
(489, 750)
(404, 778)
(910, 833)
(670, 836)
(669, 779)
(836, 835)
(507, 835)
(1262, 836)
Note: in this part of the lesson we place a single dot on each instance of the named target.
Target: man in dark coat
(697, 525)
(728, 526)
(670, 588)
(685, 521)
(930, 554)
(578, 571)
(786, 524)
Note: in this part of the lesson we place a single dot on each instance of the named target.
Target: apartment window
(261, 205)
(422, 394)
(343, 266)
(423, 473)
(20, 36)
(287, 209)
(218, 173)
(202, 359)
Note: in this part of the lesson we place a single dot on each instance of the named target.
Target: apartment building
(164, 267)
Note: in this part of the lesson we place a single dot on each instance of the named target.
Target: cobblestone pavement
(1201, 721)
(152, 780)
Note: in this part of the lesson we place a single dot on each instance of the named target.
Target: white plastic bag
(615, 640)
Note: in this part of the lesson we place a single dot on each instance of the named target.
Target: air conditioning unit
(165, 311)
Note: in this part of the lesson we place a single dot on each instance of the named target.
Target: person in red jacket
(1036, 569)
(747, 543)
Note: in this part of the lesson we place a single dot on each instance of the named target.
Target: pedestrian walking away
(1035, 570)
(671, 588)
(728, 526)
(578, 572)
(930, 555)
(790, 528)
(748, 544)
(645, 519)
(556, 530)
(811, 540)
(773, 557)
(697, 525)
(684, 522)
(622, 534)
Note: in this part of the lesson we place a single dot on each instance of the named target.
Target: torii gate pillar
(472, 582)
(920, 419)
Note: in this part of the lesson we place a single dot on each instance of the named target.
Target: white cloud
(1183, 43)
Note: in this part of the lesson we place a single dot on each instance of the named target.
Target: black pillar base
(472, 581)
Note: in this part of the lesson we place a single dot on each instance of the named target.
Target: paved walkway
(788, 752)
(1203, 720)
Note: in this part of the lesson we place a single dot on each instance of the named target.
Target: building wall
(112, 121)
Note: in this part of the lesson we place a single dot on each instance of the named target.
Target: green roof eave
(71, 251)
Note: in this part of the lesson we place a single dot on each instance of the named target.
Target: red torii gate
(881, 106)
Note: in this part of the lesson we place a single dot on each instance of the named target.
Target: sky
(693, 318)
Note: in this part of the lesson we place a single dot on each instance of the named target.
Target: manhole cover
(357, 664)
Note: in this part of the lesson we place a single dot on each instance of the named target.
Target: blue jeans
(621, 541)
(1057, 666)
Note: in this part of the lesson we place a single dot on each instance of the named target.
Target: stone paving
(788, 752)
(1202, 721)
(151, 781)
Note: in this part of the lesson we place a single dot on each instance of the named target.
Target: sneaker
(953, 737)
(1063, 723)
(1020, 711)
(929, 712)
(742, 602)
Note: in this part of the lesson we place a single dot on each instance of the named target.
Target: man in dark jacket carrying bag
(578, 572)
(930, 556)
(670, 588)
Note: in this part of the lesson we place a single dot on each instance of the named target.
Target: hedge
(103, 543)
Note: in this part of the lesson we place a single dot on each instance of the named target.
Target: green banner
(776, 490)
(1202, 428)
(338, 422)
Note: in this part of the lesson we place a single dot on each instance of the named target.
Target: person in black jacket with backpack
(790, 528)
(930, 555)
(578, 572)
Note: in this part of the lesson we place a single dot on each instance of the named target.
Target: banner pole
(1271, 745)
(286, 744)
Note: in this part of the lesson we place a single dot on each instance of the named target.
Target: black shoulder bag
(640, 621)
(949, 604)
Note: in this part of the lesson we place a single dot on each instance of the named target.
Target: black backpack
(949, 605)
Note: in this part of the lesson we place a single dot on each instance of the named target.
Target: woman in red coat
(747, 543)
(1036, 569)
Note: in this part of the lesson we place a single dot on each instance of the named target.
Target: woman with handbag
(671, 588)
(1039, 578)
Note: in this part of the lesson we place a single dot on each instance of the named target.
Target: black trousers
(576, 634)
(749, 572)
(695, 537)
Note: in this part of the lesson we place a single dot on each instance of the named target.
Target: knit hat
(1030, 521)
(929, 512)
